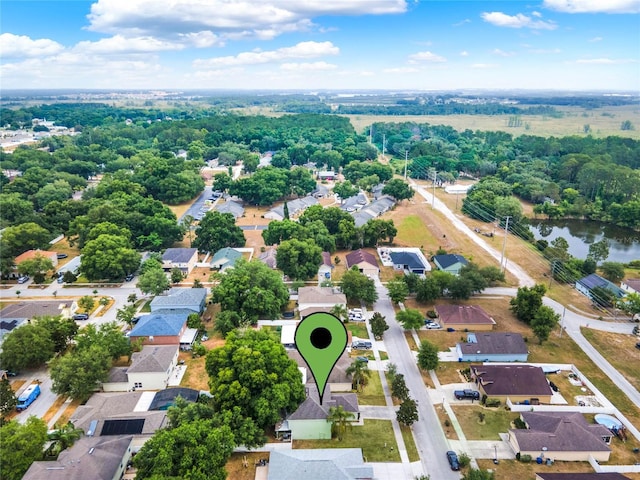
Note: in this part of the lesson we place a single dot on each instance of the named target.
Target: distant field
(603, 122)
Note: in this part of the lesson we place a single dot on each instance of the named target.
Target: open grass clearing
(358, 329)
(445, 422)
(496, 421)
(619, 350)
(242, 466)
(372, 393)
(375, 438)
(449, 372)
(409, 443)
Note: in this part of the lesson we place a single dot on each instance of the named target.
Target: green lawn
(372, 394)
(357, 329)
(413, 231)
(375, 438)
(146, 308)
(495, 421)
(407, 436)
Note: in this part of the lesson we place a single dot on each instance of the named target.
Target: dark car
(129, 277)
(638, 345)
(61, 255)
(453, 460)
(81, 316)
(363, 359)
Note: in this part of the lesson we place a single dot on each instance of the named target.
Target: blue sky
(321, 44)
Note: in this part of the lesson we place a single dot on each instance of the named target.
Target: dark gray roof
(234, 208)
(512, 380)
(153, 359)
(179, 255)
(309, 410)
(410, 259)
(447, 260)
(592, 281)
(318, 464)
(492, 343)
(29, 309)
(560, 432)
(97, 458)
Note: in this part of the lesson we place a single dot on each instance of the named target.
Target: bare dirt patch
(242, 466)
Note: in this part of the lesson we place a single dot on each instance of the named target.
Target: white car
(432, 325)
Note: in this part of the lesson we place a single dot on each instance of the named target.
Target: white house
(150, 369)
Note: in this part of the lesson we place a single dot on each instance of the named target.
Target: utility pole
(562, 321)
(433, 200)
(504, 244)
(406, 160)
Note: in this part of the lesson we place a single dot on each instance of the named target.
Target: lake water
(624, 243)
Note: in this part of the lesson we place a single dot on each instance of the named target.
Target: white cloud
(301, 50)
(119, 44)
(593, 6)
(426, 56)
(464, 53)
(500, 19)
(595, 39)
(459, 24)
(401, 70)
(484, 65)
(605, 61)
(543, 51)
(21, 46)
(311, 66)
(502, 53)
(536, 14)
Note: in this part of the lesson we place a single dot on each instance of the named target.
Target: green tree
(26, 347)
(153, 281)
(410, 318)
(26, 236)
(345, 190)
(399, 387)
(477, 474)
(357, 287)
(8, 400)
(78, 373)
(527, 302)
(108, 257)
(176, 275)
(398, 189)
(227, 321)
(194, 450)
(407, 413)
(298, 259)
(126, 314)
(86, 303)
(218, 230)
(38, 265)
(61, 330)
(543, 322)
(341, 312)
(359, 373)
(339, 419)
(398, 290)
(599, 251)
(63, 437)
(251, 289)
(195, 321)
(428, 355)
(106, 335)
(612, 271)
(25, 442)
(630, 303)
(378, 325)
(253, 372)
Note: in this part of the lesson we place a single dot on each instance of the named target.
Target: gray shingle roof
(234, 208)
(581, 476)
(192, 298)
(319, 464)
(507, 380)
(410, 259)
(448, 260)
(179, 255)
(153, 359)
(494, 343)
(29, 309)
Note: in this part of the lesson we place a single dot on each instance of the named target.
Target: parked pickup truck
(466, 394)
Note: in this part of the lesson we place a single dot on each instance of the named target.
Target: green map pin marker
(321, 338)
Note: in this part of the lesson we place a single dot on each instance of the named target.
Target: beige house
(150, 369)
(564, 436)
(519, 383)
(319, 299)
(365, 261)
(464, 317)
(183, 258)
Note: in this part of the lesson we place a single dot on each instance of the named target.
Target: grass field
(409, 443)
(375, 438)
(496, 420)
(619, 350)
(372, 393)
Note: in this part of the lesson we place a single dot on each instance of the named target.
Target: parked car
(129, 277)
(638, 345)
(453, 460)
(60, 279)
(362, 359)
(430, 325)
(61, 255)
(361, 345)
(81, 316)
(23, 279)
(467, 394)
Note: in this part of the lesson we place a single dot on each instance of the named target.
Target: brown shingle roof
(359, 256)
(560, 432)
(463, 315)
(633, 283)
(495, 343)
(512, 380)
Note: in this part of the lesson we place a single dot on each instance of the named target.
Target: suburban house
(379, 206)
(631, 285)
(408, 262)
(326, 175)
(98, 458)
(319, 299)
(294, 207)
(324, 271)
(181, 298)
(360, 218)
(519, 383)
(225, 258)
(586, 284)
(31, 254)
(16, 314)
(150, 369)
(183, 258)
(464, 317)
(580, 476)
(319, 463)
(160, 329)
(564, 436)
(365, 261)
(450, 262)
(268, 257)
(338, 380)
(354, 203)
(320, 191)
(234, 208)
(493, 347)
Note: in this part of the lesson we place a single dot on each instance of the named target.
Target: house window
(138, 385)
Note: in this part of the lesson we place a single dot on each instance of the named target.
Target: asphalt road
(427, 431)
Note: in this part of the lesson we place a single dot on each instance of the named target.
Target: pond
(624, 243)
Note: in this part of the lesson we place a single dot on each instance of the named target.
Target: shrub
(492, 402)
(519, 423)
(464, 460)
(525, 458)
(447, 423)
(483, 400)
(432, 314)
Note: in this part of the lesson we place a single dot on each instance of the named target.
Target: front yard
(495, 421)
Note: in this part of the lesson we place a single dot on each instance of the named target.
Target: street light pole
(406, 160)
(504, 244)
(564, 310)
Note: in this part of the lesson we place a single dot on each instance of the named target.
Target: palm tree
(339, 419)
(340, 311)
(359, 372)
(65, 436)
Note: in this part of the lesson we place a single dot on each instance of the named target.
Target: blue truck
(27, 397)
